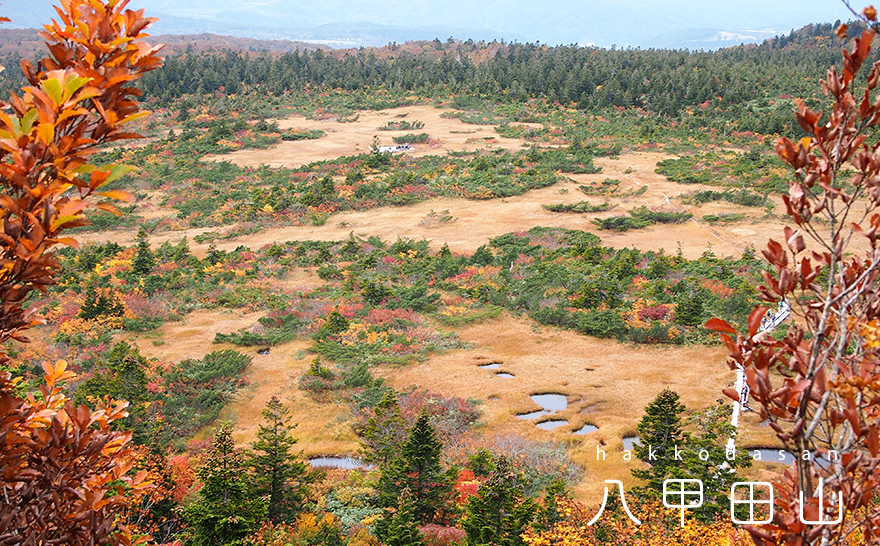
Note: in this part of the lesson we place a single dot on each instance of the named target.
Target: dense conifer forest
(746, 86)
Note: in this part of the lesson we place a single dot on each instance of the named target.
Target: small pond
(631, 441)
(491, 366)
(347, 463)
(586, 429)
(550, 401)
(504, 374)
(550, 425)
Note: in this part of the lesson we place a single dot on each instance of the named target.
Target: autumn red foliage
(79, 97)
(818, 385)
(64, 469)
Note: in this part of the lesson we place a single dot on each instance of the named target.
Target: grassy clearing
(607, 383)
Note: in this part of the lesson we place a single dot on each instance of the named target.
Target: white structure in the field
(770, 321)
(394, 149)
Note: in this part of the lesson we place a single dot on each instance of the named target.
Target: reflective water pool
(347, 463)
(551, 401)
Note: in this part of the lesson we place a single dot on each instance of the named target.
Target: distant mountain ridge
(711, 39)
(347, 35)
(27, 43)
(354, 23)
(341, 38)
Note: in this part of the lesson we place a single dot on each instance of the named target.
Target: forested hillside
(747, 86)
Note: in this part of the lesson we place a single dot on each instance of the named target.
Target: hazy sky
(620, 22)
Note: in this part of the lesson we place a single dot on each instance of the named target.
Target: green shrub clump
(402, 125)
(306, 134)
(411, 138)
(641, 217)
(196, 390)
(582, 206)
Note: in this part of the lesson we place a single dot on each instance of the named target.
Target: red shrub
(440, 535)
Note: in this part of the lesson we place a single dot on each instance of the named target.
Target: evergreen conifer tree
(214, 256)
(500, 511)
(143, 260)
(482, 256)
(164, 253)
(444, 251)
(110, 305)
(549, 514)
(383, 432)
(89, 308)
(181, 251)
(351, 247)
(335, 323)
(689, 306)
(275, 252)
(223, 513)
(277, 472)
(706, 459)
(99, 303)
(376, 159)
(418, 469)
(326, 188)
(128, 367)
(128, 381)
(400, 527)
(660, 431)
(482, 463)
(701, 454)
(123, 378)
